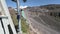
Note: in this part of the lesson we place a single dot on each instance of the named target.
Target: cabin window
(2, 12)
(2, 25)
(51, 14)
(10, 30)
(59, 14)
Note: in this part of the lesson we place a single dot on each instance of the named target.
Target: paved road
(44, 24)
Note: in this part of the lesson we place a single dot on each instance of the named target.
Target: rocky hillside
(13, 15)
(51, 6)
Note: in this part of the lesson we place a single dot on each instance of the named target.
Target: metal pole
(19, 16)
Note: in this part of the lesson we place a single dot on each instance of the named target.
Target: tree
(24, 0)
(16, 0)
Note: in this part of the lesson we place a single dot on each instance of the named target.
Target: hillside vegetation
(25, 27)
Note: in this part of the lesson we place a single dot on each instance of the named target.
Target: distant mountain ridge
(51, 6)
(48, 7)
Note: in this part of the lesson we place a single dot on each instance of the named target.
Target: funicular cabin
(6, 23)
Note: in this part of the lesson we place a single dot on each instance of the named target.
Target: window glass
(10, 30)
(1, 10)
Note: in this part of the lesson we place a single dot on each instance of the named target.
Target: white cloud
(23, 7)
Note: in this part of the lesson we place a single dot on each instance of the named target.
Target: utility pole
(19, 14)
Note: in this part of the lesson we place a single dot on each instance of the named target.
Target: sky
(32, 2)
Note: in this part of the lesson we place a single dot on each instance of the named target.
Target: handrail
(1, 16)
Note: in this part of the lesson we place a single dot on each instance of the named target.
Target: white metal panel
(1, 29)
(8, 14)
(5, 23)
